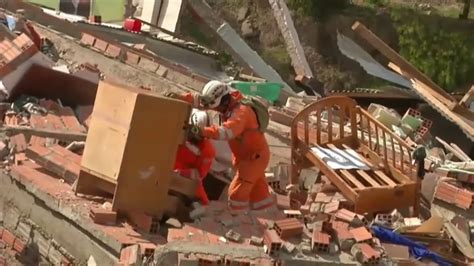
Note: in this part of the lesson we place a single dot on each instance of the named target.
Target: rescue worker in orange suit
(195, 156)
(251, 154)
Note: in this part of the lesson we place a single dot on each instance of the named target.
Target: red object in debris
(133, 25)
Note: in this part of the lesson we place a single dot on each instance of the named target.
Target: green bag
(261, 110)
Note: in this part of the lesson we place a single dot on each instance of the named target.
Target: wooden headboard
(320, 122)
(337, 120)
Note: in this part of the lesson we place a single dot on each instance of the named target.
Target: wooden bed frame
(391, 181)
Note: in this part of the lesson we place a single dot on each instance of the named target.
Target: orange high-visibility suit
(250, 150)
(194, 161)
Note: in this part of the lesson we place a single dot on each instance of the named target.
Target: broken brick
(103, 216)
(283, 202)
(130, 255)
(256, 241)
(232, 235)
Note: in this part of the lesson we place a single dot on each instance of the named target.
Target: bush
(318, 9)
(445, 56)
(376, 2)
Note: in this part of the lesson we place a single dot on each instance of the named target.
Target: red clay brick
(113, 51)
(132, 58)
(205, 259)
(103, 216)
(345, 215)
(283, 202)
(69, 119)
(187, 259)
(19, 245)
(87, 39)
(176, 235)
(101, 44)
(272, 241)
(37, 141)
(8, 237)
(57, 162)
(361, 234)
(288, 228)
(320, 241)
(18, 143)
(369, 255)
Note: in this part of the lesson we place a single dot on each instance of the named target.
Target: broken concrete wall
(44, 82)
(290, 35)
(48, 225)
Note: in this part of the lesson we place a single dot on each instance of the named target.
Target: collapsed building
(87, 171)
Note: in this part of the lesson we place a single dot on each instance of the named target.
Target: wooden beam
(404, 65)
(433, 93)
(46, 133)
(468, 98)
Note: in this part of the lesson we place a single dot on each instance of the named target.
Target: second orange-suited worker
(251, 154)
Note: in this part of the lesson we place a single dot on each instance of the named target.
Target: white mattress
(340, 159)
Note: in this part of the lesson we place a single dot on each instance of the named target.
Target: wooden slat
(368, 178)
(330, 122)
(394, 156)
(318, 126)
(306, 130)
(341, 122)
(352, 179)
(385, 178)
(468, 97)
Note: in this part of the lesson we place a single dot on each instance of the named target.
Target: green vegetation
(377, 3)
(110, 12)
(319, 9)
(445, 56)
(53, 4)
(279, 58)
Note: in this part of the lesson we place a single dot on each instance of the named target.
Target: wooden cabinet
(131, 144)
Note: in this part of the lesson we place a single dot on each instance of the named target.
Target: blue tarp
(416, 250)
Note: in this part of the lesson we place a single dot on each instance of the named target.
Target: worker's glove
(171, 94)
(194, 133)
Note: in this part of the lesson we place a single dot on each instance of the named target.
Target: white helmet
(199, 118)
(213, 92)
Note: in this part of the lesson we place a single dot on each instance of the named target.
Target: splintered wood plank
(385, 178)
(368, 178)
(352, 179)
